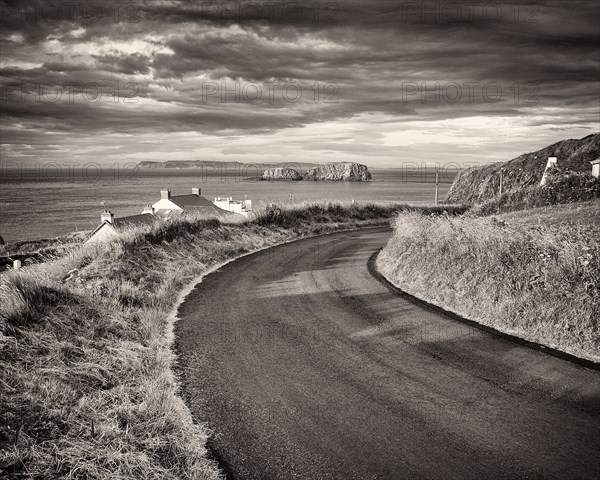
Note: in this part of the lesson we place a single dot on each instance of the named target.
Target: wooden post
(500, 189)
(437, 183)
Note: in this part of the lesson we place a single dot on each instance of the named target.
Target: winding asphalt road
(308, 367)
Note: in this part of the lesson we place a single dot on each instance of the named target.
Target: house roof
(197, 203)
(186, 201)
(131, 221)
(134, 220)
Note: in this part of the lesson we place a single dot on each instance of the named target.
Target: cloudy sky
(379, 82)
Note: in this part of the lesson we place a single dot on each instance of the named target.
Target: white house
(596, 167)
(111, 227)
(169, 205)
(552, 163)
(241, 207)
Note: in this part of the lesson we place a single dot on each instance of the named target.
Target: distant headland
(215, 165)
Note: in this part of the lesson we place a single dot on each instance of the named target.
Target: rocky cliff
(340, 172)
(281, 174)
(476, 185)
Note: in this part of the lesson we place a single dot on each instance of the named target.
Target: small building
(241, 207)
(596, 167)
(169, 205)
(110, 227)
(148, 209)
(550, 165)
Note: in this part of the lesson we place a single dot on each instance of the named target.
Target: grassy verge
(574, 214)
(87, 388)
(538, 280)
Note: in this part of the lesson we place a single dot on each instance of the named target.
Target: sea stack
(339, 172)
(281, 174)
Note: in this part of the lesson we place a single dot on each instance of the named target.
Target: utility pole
(500, 189)
(437, 184)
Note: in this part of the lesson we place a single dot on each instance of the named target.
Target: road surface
(307, 367)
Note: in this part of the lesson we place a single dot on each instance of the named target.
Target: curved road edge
(185, 291)
(173, 316)
(583, 362)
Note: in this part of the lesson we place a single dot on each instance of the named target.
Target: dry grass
(579, 213)
(540, 282)
(87, 388)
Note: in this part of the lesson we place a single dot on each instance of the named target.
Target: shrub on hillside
(276, 215)
(571, 187)
(567, 187)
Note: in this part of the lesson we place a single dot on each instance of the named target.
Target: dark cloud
(177, 66)
(127, 64)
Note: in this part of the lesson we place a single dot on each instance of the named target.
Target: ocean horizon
(39, 203)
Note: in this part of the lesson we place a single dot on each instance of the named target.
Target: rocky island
(339, 172)
(281, 174)
(330, 172)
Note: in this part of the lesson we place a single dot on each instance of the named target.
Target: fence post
(500, 189)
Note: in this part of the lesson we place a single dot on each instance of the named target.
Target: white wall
(165, 204)
(241, 208)
(105, 233)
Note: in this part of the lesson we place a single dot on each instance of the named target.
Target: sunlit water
(38, 204)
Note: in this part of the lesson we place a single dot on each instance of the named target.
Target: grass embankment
(87, 388)
(521, 273)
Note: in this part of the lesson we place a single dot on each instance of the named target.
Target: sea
(46, 202)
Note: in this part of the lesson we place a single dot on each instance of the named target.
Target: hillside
(476, 185)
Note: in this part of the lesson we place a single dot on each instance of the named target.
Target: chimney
(107, 216)
(165, 194)
(196, 191)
